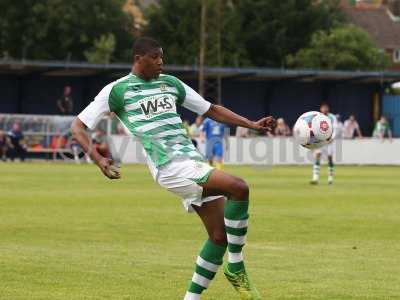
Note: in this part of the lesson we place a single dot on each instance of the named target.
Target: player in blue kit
(214, 133)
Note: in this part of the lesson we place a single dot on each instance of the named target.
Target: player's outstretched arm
(106, 166)
(223, 115)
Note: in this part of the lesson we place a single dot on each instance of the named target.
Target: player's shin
(207, 264)
(236, 222)
(331, 170)
(316, 170)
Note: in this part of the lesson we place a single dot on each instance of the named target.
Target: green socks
(207, 264)
(211, 256)
(316, 170)
(236, 222)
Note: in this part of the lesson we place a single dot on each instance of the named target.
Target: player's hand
(108, 168)
(266, 124)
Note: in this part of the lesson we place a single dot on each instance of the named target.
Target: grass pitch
(66, 232)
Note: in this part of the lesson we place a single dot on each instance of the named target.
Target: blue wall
(391, 109)
(253, 99)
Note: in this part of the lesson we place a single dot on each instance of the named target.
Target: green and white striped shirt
(147, 109)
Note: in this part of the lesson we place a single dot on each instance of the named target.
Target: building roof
(378, 22)
(80, 69)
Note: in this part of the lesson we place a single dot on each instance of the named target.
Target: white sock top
(191, 296)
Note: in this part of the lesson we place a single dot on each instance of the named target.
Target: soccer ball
(313, 130)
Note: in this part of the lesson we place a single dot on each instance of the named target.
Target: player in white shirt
(326, 151)
(146, 103)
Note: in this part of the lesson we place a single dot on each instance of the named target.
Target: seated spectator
(281, 129)
(18, 147)
(382, 129)
(242, 132)
(351, 127)
(75, 148)
(58, 142)
(5, 144)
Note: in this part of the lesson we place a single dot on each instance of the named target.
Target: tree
(273, 29)
(176, 24)
(60, 29)
(102, 51)
(254, 32)
(344, 48)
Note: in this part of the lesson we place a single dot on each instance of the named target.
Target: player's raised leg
(236, 222)
(212, 253)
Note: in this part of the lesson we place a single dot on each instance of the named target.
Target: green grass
(68, 233)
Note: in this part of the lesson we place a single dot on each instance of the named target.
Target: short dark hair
(324, 103)
(143, 45)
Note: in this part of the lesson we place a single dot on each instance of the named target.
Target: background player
(145, 101)
(214, 133)
(326, 151)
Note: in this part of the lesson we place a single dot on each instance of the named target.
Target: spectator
(382, 129)
(196, 127)
(195, 131)
(100, 142)
(242, 132)
(18, 147)
(58, 141)
(5, 144)
(116, 126)
(65, 104)
(281, 129)
(75, 148)
(339, 127)
(351, 127)
(120, 129)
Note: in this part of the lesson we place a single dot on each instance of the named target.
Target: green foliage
(59, 29)
(280, 27)
(253, 32)
(344, 48)
(102, 50)
(176, 24)
(269, 33)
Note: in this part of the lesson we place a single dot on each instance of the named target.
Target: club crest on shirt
(163, 87)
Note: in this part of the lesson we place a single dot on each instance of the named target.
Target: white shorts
(327, 150)
(183, 177)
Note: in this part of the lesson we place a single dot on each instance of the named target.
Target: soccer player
(326, 150)
(214, 135)
(145, 101)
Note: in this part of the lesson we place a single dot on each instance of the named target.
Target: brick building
(381, 19)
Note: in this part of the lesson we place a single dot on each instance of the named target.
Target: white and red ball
(313, 130)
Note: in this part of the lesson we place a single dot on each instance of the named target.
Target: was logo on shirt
(156, 105)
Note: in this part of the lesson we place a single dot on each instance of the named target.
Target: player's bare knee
(241, 190)
(219, 237)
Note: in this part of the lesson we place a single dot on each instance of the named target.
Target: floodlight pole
(219, 57)
(203, 26)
